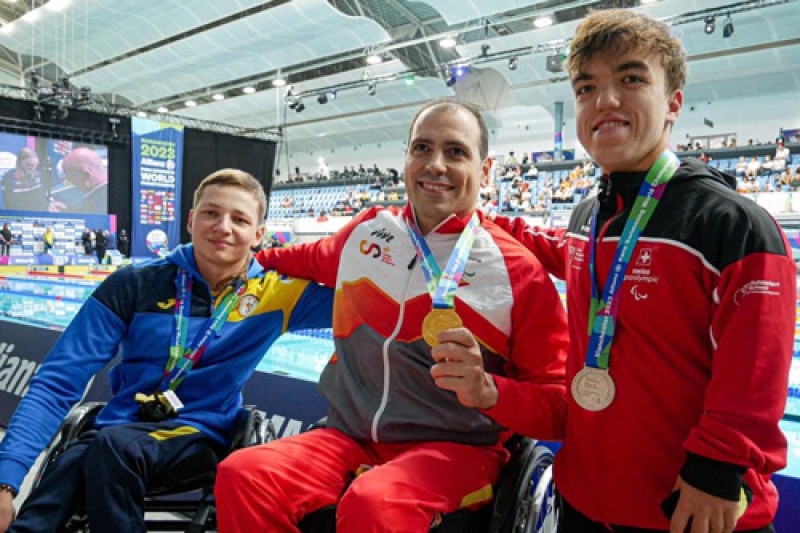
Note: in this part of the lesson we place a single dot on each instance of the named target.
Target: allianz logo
(15, 373)
(283, 426)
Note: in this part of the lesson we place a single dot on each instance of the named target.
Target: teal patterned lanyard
(181, 357)
(604, 311)
(442, 285)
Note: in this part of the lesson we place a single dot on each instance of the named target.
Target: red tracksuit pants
(271, 487)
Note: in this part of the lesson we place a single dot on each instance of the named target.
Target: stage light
(727, 28)
(163, 109)
(248, 90)
(484, 50)
(448, 42)
(553, 63)
(410, 79)
(451, 80)
(278, 82)
(322, 98)
(543, 21)
(218, 96)
(512, 63)
(190, 103)
(710, 25)
(374, 59)
(331, 95)
(372, 88)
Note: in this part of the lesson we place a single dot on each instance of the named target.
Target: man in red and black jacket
(688, 290)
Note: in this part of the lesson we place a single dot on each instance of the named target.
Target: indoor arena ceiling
(146, 55)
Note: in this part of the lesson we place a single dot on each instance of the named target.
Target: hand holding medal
(459, 363)
(459, 368)
(436, 321)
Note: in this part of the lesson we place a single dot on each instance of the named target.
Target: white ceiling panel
(162, 52)
(88, 32)
(274, 39)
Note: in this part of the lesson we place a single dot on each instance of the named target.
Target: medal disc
(593, 388)
(439, 320)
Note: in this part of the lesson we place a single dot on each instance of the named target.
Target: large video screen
(50, 175)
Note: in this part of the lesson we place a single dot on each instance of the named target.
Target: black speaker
(554, 63)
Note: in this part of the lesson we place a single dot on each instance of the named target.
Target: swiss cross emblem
(645, 257)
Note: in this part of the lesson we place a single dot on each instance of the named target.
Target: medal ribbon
(181, 358)
(442, 285)
(603, 311)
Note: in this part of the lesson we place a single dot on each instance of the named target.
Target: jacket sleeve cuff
(12, 473)
(718, 478)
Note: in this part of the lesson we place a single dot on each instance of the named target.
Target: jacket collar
(450, 225)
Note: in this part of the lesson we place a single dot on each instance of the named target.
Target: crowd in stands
(522, 189)
(770, 174)
(517, 184)
(336, 200)
(323, 173)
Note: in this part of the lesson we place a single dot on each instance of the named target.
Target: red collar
(452, 224)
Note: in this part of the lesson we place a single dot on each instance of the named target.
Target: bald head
(84, 168)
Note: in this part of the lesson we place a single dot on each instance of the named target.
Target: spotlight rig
(61, 94)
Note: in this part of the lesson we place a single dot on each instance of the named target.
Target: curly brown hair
(616, 31)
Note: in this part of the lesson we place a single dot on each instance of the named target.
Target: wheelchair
(187, 505)
(524, 499)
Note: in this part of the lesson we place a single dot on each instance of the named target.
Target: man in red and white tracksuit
(423, 427)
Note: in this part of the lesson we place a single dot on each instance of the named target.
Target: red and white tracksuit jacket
(701, 354)
(378, 383)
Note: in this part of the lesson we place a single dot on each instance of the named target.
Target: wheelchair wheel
(536, 512)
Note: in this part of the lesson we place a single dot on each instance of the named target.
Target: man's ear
(259, 237)
(190, 221)
(674, 106)
(486, 169)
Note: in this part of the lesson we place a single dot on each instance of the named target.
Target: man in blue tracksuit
(189, 329)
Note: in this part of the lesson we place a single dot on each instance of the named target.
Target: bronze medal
(593, 388)
(439, 320)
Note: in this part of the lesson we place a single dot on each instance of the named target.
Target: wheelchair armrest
(321, 423)
(251, 428)
(80, 419)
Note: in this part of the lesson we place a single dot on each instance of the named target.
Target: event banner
(157, 163)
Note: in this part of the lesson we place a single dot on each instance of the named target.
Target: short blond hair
(235, 178)
(617, 31)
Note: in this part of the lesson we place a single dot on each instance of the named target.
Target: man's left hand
(708, 513)
(459, 368)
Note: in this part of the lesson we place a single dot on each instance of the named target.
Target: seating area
(288, 203)
(555, 186)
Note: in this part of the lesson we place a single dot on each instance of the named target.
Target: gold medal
(593, 388)
(439, 320)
